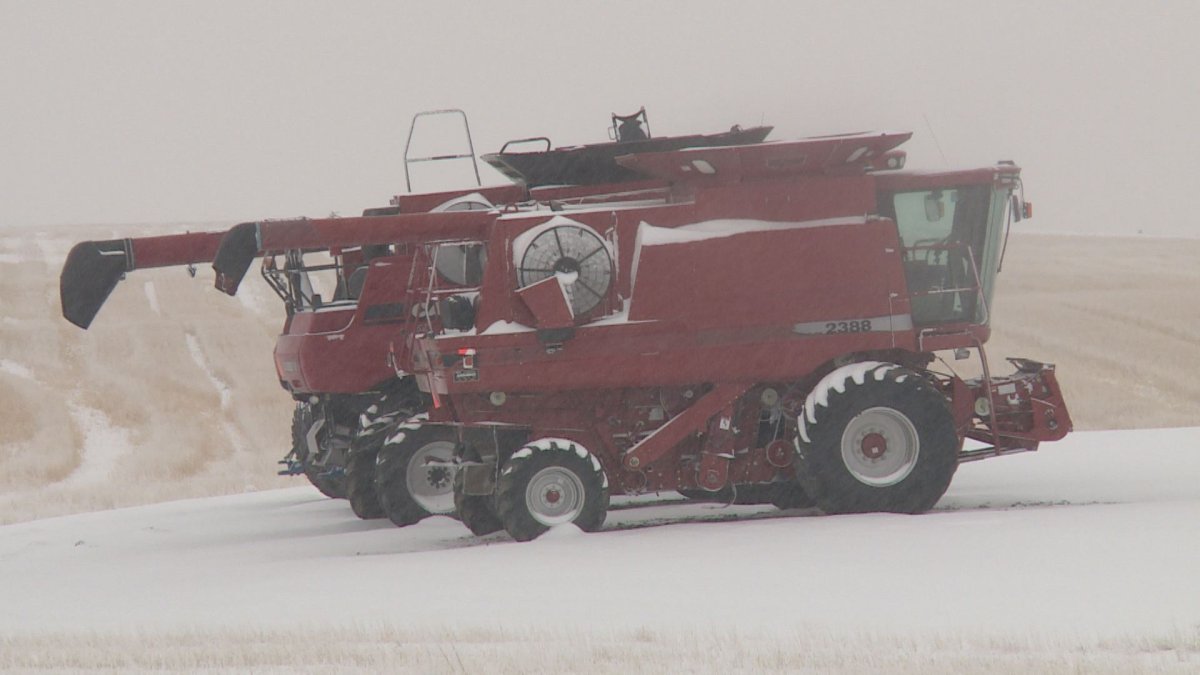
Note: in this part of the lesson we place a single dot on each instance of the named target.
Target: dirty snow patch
(836, 381)
(472, 202)
(54, 251)
(152, 297)
(252, 298)
(202, 362)
(103, 446)
(546, 444)
(561, 531)
(231, 431)
(651, 235)
(14, 368)
(506, 327)
(411, 424)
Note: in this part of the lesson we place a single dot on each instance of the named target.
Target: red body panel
(423, 203)
(548, 304)
(820, 273)
(175, 249)
(343, 349)
(695, 315)
(326, 233)
(702, 166)
(325, 352)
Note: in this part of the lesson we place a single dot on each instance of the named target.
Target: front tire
(408, 487)
(360, 481)
(363, 458)
(876, 437)
(551, 482)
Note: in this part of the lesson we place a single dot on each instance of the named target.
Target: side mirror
(1020, 209)
(935, 208)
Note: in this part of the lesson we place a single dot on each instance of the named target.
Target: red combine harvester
(771, 320)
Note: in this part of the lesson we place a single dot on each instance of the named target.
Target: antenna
(935, 139)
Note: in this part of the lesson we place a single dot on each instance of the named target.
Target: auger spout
(93, 268)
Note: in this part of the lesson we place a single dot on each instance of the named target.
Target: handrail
(438, 158)
(526, 140)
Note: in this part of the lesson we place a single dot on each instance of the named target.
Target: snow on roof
(506, 327)
(650, 235)
(471, 202)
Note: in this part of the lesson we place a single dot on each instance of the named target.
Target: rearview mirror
(935, 208)
(1020, 209)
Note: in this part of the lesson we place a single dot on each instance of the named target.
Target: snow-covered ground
(1084, 554)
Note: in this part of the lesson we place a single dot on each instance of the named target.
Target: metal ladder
(439, 158)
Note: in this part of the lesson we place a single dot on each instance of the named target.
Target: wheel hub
(880, 447)
(432, 486)
(554, 496)
(874, 445)
(439, 477)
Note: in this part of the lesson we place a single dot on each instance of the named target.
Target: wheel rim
(554, 496)
(880, 447)
(432, 487)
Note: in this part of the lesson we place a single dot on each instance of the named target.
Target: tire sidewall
(822, 470)
(360, 482)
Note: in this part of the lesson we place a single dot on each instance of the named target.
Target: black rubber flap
(90, 274)
(239, 248)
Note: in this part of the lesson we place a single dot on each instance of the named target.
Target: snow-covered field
(1080, 557)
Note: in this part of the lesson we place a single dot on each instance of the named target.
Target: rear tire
(883, 441)
(790, 495)
(551, 482)
(410, 491)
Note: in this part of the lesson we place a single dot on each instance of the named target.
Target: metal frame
(438, 158)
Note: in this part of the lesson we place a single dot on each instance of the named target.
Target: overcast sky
(126, 112)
